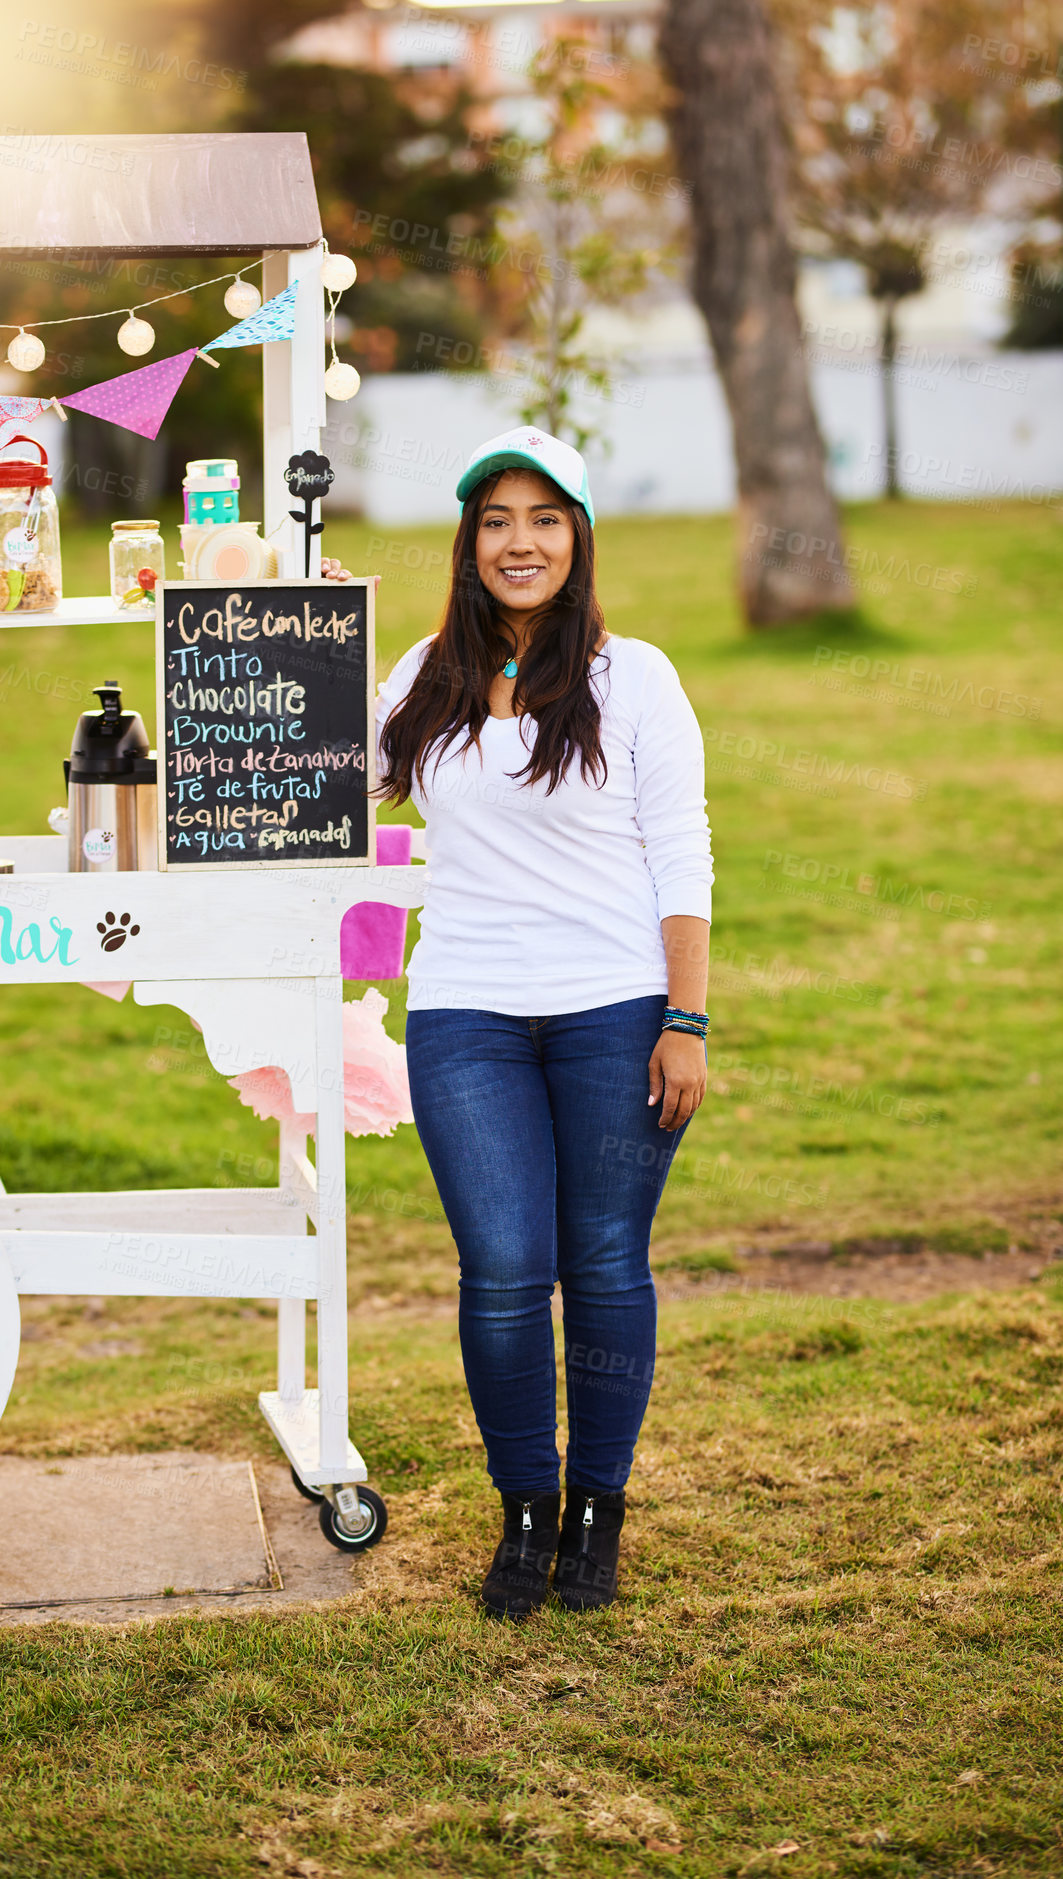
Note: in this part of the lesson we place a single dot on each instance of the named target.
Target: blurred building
(490, 44)
(975, 424)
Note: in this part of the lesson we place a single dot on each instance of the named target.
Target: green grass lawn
(884, 798)
(839, 1625)
(837, 1650)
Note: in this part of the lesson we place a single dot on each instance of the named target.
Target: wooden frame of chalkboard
(249, 749)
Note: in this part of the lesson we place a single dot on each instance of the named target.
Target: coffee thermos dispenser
(112, 780)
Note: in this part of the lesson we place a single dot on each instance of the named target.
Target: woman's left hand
(678, 1069)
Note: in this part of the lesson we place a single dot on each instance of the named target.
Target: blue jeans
(550, 1164)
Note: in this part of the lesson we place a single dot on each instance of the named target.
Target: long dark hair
(449, 697)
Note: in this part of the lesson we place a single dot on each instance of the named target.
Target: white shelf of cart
(84, 610)
(253, 958)
(295, 1424)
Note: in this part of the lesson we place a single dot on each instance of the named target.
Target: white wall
(983, 426)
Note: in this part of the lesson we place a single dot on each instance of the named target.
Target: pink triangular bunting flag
(139, 400)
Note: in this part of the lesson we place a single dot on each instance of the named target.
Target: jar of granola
(31, 575)
(138, 561)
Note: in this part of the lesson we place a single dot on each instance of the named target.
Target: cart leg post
(291, 1349)
(331, 1239)
(10, 1327)
(291, 1312)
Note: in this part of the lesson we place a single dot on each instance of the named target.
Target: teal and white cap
(529, 449)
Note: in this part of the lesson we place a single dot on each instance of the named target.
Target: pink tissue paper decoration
(139, 400)
(376, 1089)
(373, 935)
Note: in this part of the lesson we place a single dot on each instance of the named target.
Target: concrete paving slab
(313, 1572)
(129, 1527)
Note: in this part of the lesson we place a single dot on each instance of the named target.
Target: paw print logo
(115, 931)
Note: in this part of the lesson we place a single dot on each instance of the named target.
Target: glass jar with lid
(138, 560)
(31, 574)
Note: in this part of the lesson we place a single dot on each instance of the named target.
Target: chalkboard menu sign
(265, 753)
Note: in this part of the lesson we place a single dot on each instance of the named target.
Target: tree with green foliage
(578, 236)
(905, 123)
(403, 189)
(402, 186)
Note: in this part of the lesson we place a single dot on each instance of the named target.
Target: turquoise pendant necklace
(509, 670)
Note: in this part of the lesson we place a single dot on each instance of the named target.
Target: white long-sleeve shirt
(539, 903)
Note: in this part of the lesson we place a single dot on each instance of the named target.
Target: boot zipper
(526, 1527)
(588, 1522)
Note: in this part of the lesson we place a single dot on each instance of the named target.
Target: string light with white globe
(136, 336)
(338, 272)
(242, 298)
(26, 351)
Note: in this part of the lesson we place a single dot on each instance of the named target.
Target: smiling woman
(524, 550)
(524, 545)
(556, 1027)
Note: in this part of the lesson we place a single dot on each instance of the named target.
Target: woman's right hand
(333, 569)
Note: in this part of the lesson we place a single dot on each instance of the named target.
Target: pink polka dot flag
(139, 400)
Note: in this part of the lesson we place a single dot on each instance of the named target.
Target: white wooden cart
(276, 996)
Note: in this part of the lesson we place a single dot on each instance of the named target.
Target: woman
(555, 1037)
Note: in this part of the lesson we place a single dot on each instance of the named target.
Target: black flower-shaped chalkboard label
(309, 475)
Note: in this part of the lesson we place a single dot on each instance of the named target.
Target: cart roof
(223, 192)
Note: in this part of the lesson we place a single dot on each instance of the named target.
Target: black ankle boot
(520, 1571)
(589, 1549)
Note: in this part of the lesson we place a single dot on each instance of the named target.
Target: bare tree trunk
(889, 392)
(728, 131)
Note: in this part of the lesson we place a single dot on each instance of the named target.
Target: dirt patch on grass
(1002, 1244)
(1006, 1243)
(817, 1268)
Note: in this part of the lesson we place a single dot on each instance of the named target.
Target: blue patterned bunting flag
(276, 320)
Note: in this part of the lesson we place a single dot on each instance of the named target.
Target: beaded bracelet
(695, 1023)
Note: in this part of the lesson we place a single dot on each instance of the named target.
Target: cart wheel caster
(308, 1494)
(366, 1528)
